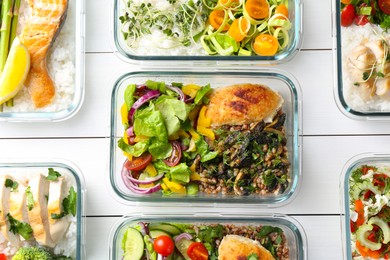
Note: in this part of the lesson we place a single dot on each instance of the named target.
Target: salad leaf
(129, 95)
(253, 256)
(156, 85)
(21, 228)
(226, 41)
(385, 23)
(161, 167)
(172, 110)
(201, 94)
(136, 150)
(150, 122)
(266, 230)
(203, 149)
(53, 175)
(160, 150)
(180, 173)
(69, 205)
(209, 233)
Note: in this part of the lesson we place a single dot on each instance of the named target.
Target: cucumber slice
(156, 233)
(133, 245)
(168, 228)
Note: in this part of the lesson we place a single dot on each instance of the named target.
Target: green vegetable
(203, 149)
(160, 150)
(200, 95)
(209, 233)
(29, 199)
(32, 253)
(136, 150)
(21, 228)
(149, 247)
(173, 111)
(150, 122)
(160, 86)
(69, 205)
(53, 175)
(253, 256)
(133, 244)
(129, 95)
(180, 173)
(182, 245)
(362, 238)
(11, 184)
(192, 188)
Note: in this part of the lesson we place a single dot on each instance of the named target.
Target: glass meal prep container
(65, 62)
(22, 169)
(285, 85)
(290, 236)
(361, 64)
(364, 191)
(195, 54)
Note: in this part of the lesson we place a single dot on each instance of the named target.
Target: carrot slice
(282, 9)
(239, 29)
(229, 3)
(365, 252)
(265, 45)
(257, 9)
(216, 19)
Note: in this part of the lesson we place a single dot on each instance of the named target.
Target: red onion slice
(144, 228)
(148, 181)
(130, 131)
(142, 100)
(183, 236)
(131, 186)
(178, 91)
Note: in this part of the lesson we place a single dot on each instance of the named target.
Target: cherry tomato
(353, 226)
(175, 157)
(384, 5)
(372, 237)
(197, 251)
(3, 257)
(380, 179)
(361, 20)
(265, 45)
(368, 194)
(163, 245)
(138, 163)
(347, 15)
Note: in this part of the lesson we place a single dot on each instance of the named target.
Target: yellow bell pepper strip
(129, 156)
(124, 113)
(194, 113)
(164, 187)
(194, 134)
(183, 134)
(190, 90)
(206, 132)
(195, 176)
(192, 147)
(202, 119)
(151, 170)
(125, 137)
(174, 186)
(146, 185)
(140, 138)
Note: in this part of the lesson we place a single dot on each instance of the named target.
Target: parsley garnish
(11, 184)
(53, 175)
(29, 199)
(69, 205)
(21, 228)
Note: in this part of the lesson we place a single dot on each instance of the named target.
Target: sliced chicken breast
(383, 88)
(361, 60)
(17, 204)
(5, 192)
(37, 216)
(58, 227)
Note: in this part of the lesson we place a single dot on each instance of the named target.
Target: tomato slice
(347, 15)
(175, 157)
(384, 5)
(197, 251)
(138, 163)
(361, 20)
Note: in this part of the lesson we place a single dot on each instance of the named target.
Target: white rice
(61, 65)
(159, 44)
(351, 37)
(68, 244)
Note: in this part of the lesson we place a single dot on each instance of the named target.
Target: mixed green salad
(219, 27)
(369, 204)
(170, 145)
(361, 12)
(181, 241)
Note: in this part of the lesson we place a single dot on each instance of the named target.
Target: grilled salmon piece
(38, 34)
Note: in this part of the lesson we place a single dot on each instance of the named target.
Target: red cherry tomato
(353, 226)
(384, 5)
(361, 20)
(163, 245)
(347, 15)
(138, 163)
(197, 251)
(3, 257)
(175, 157)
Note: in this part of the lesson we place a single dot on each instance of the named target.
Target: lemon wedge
(15, 71)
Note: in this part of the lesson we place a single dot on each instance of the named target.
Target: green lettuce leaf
(201, 94)
(136, 150)
(150, 122)
(129, 95)
(160, 150)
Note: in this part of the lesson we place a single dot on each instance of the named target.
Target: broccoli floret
(32, 253)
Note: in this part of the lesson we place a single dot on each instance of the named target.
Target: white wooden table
(329, 138)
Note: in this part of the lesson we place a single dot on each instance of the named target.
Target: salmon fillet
(38, 34)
